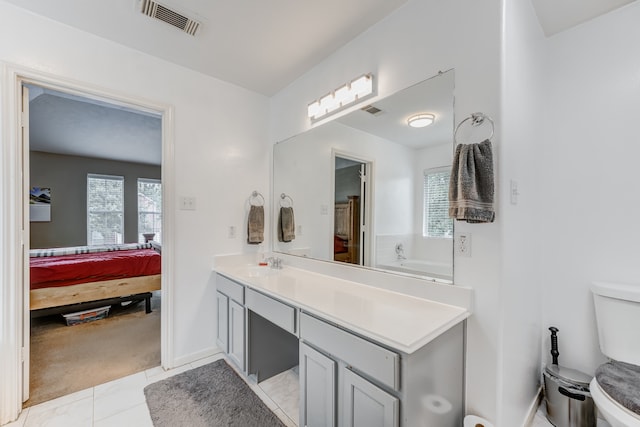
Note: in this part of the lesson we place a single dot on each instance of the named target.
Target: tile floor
(540, 419)
(121, 403)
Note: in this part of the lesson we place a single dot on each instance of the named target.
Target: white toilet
(618, 319)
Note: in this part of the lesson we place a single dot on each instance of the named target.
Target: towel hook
(260, 198)
(283, 201)
(477, 119)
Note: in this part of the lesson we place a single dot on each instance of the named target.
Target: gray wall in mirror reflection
(304, 169)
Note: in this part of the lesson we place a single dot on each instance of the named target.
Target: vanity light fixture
(421, 120)
(347, 94)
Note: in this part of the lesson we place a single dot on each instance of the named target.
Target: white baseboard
(533, 408)
(183, 360)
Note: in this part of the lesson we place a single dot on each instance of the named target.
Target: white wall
(414, 43)
(522, 161)
(590, 177)
(218, 158)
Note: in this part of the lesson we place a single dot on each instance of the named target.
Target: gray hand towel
(286, 225)
(471, 184)
(255, 225)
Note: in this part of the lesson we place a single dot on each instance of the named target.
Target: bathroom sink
(261, 271)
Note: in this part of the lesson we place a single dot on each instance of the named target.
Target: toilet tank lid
(617, 290)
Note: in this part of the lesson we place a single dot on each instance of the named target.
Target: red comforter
(47, 272)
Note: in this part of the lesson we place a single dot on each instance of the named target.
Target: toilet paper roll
(436, 404)
(475, 421)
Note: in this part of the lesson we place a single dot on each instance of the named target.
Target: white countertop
(400, 321)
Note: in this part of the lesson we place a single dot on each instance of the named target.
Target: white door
(364, 220)
(26, 323)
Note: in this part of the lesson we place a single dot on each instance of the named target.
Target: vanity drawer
(271, 309)
(365, 356)
(233, 290)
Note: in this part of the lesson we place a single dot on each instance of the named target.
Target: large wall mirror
(368, 189)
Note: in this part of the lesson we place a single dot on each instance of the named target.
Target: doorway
(91, 96)
(352, 181)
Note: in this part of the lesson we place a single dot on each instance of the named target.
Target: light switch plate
(187, 203)
(514, 192)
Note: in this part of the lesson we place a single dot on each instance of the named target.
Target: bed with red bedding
(70, 276)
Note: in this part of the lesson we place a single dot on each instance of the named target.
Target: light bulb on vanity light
(314, 109)
(357, 90)
(344, 95)
(328, 103)
(362, 86)
(421, 120)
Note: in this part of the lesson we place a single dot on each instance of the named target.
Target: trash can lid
(571, 376)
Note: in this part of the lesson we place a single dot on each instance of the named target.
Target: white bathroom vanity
(367, 356)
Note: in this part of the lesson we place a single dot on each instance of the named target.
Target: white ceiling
(66, 124)
(257, 44)
(558, 15)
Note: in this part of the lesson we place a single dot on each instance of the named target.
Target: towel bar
(283, 201)
(476, 120)
(256, 195)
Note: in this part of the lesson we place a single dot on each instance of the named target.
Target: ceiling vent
(372, 110)
(164, 14)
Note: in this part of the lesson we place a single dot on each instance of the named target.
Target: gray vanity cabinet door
(317, 388)
(236, 333)
(222, 332)
(365, 405)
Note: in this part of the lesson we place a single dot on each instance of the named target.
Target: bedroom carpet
(66, 359)
(212, 395)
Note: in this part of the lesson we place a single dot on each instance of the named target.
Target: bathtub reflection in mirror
(372, 191)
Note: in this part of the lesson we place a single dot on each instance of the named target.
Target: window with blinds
(149, 209)
(436, 221)
(105, 209)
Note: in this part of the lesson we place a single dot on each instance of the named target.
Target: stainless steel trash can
(569, 402)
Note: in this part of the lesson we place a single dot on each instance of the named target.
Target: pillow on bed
(74, 250)
(155, 245)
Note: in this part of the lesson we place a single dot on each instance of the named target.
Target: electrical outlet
(232, 232)
(299, 230)
(187, 203)
(463, 244)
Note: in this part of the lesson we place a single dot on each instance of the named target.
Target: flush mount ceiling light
(347, 94)
(420, 120)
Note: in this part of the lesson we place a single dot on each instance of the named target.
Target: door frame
(14, 199)
(366, 209)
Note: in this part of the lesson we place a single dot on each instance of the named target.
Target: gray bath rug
(209, 396)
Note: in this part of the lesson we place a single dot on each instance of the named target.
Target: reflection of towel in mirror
(286, 225)
(471, 184)
(255, 225)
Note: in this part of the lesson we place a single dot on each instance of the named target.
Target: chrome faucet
(400, 251)
(275, 262)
